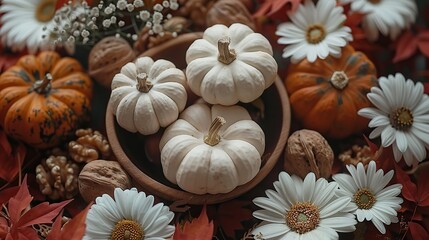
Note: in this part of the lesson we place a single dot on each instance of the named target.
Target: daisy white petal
(315, 31)
(130, 210)
(389, 17)
(401, 117)
(375, 202)
(315, 210)
(23, 24)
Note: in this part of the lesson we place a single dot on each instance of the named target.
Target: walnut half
(308, 151)
(89, 146)
(57, 177)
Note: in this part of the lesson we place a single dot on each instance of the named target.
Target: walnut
(107, 58)
(172, 27)
(356, 155)
(308, 151)
(57, 177)
(227, 12)
(89, 146)
(196, 10)
(99, 177)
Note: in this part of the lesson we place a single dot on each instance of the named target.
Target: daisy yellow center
(364, 198)
(339, 80)
(45, 11)
(402, 118)
(303, 217)
(315, 34)
(127, 230)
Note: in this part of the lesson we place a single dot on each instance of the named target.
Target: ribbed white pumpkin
(229, 65)
(147, 95)
(212, 149)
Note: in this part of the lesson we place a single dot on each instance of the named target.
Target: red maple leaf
(270, 7)
(199, 228)
(231, 214)
(17, 224)
(72, 230)
(411, 41)
(418, 231)
(11, 158)
(409, 189)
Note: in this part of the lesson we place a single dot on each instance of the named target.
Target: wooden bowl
(149, 177)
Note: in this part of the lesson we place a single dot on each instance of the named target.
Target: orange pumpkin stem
(143, 84)
(226, 55)
(212, 138)
(339, 80)
(43, 86)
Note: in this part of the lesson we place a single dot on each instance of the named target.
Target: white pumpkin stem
(143, 84)
(212, 138)
(44, 85)
(226, 55)
(339, 80)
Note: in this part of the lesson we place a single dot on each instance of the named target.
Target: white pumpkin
(212, 149)
(147, 95)
(229, 65)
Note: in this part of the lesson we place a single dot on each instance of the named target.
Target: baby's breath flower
(157, 16)
(121, 23)
(158, 7)
(108, 10)
(157, 28)
(166, 4)
(84, 33)
(121, 4)
(138, 3)
(107, 23)
(144, 15)
(130, 7)
(174, 5)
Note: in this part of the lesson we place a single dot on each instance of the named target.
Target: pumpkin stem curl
(44, 85)
(212, 138)
(143, 84)
(339, 80)
(226, 55)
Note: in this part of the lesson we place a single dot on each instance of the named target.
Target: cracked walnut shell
(308, 151)
(102, 177)
(107, 58)
(57, 177)
(89, 146)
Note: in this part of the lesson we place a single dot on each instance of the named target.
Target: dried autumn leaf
(423, 190)
(21, 219)
(199, 228)
(418, 231)
(270, 7)
(231, 214)
(8, 193)
(426, 86)
(409, 189)
(423, 42)
(72, 230)
(11, 158)
(406, 46)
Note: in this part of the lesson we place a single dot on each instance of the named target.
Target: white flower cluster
(80, 24)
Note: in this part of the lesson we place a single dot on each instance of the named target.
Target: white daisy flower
(130, 215)
(401, 117)
(371, 199)
(304, 210)
(389, 17)
(315, 31)
(23, 22)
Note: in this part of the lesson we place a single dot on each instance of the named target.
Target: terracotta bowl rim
(145, 182)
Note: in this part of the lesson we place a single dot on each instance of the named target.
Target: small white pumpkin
(212, 149)
(147, 95)
(229, 65)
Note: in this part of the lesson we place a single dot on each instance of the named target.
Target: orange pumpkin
(44, 98)
(326, 95)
